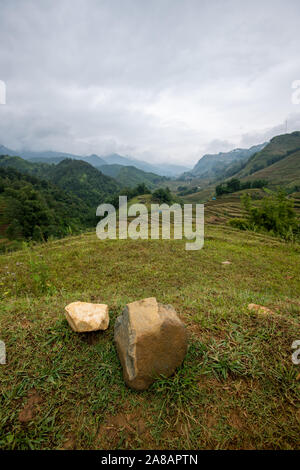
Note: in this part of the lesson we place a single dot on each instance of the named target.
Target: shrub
(274, 214)
(236, 185)
(162, 195)
(241, 224)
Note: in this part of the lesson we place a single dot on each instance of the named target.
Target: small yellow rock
(84, 317)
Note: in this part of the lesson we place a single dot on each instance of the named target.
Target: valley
(237, 387)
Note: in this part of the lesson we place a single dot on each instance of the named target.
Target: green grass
(278, 147)
(237, 387)
(284, 173)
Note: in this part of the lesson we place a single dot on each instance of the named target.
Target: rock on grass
(151, 340)
(84, 317)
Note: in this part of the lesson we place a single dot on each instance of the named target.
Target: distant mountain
(75, 176)
(169, 169)
(56, 157)
(129, 176)
(215, 165)
(6, 151)
(49, 156)
(163, 169)
(94, 160)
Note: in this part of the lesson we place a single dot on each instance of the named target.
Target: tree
(162, 195)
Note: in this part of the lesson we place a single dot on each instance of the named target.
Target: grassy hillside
(129, 176)
(229, 206)
(285, 172)
(279, 148)
(237, 387)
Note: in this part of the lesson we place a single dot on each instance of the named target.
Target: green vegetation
(40, 170)
(83, 180)
(186, 190)
(129, 176)
(163, 196)
(274, 214)
(75, 176)
(235, 185)
(40, 201)
(285, 172)
(237, 388)
(131, 193)
(278, 149)
(34, 209)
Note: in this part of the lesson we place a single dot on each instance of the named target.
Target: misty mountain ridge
(125, 176)
(216, 165)
(239, 162)
(49, 156)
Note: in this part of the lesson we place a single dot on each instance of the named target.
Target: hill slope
(237, 387)
(53, 157)
(82, 179)
(285, 172)
(162, 169)
(50, 156)
(31, 208)
(24, 166)
(76, 176)
(279, 148)
(129, 176)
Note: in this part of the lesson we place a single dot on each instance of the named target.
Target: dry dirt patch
(31, 407)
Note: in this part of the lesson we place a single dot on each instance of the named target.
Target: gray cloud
(162, 79)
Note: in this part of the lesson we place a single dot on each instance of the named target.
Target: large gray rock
(84, 317)
(151, 340)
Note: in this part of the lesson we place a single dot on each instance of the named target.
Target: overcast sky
(163, 80)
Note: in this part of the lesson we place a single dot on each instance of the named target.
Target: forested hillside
(76, 176)
(128, 176)
(36, 209)
(85, 181)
